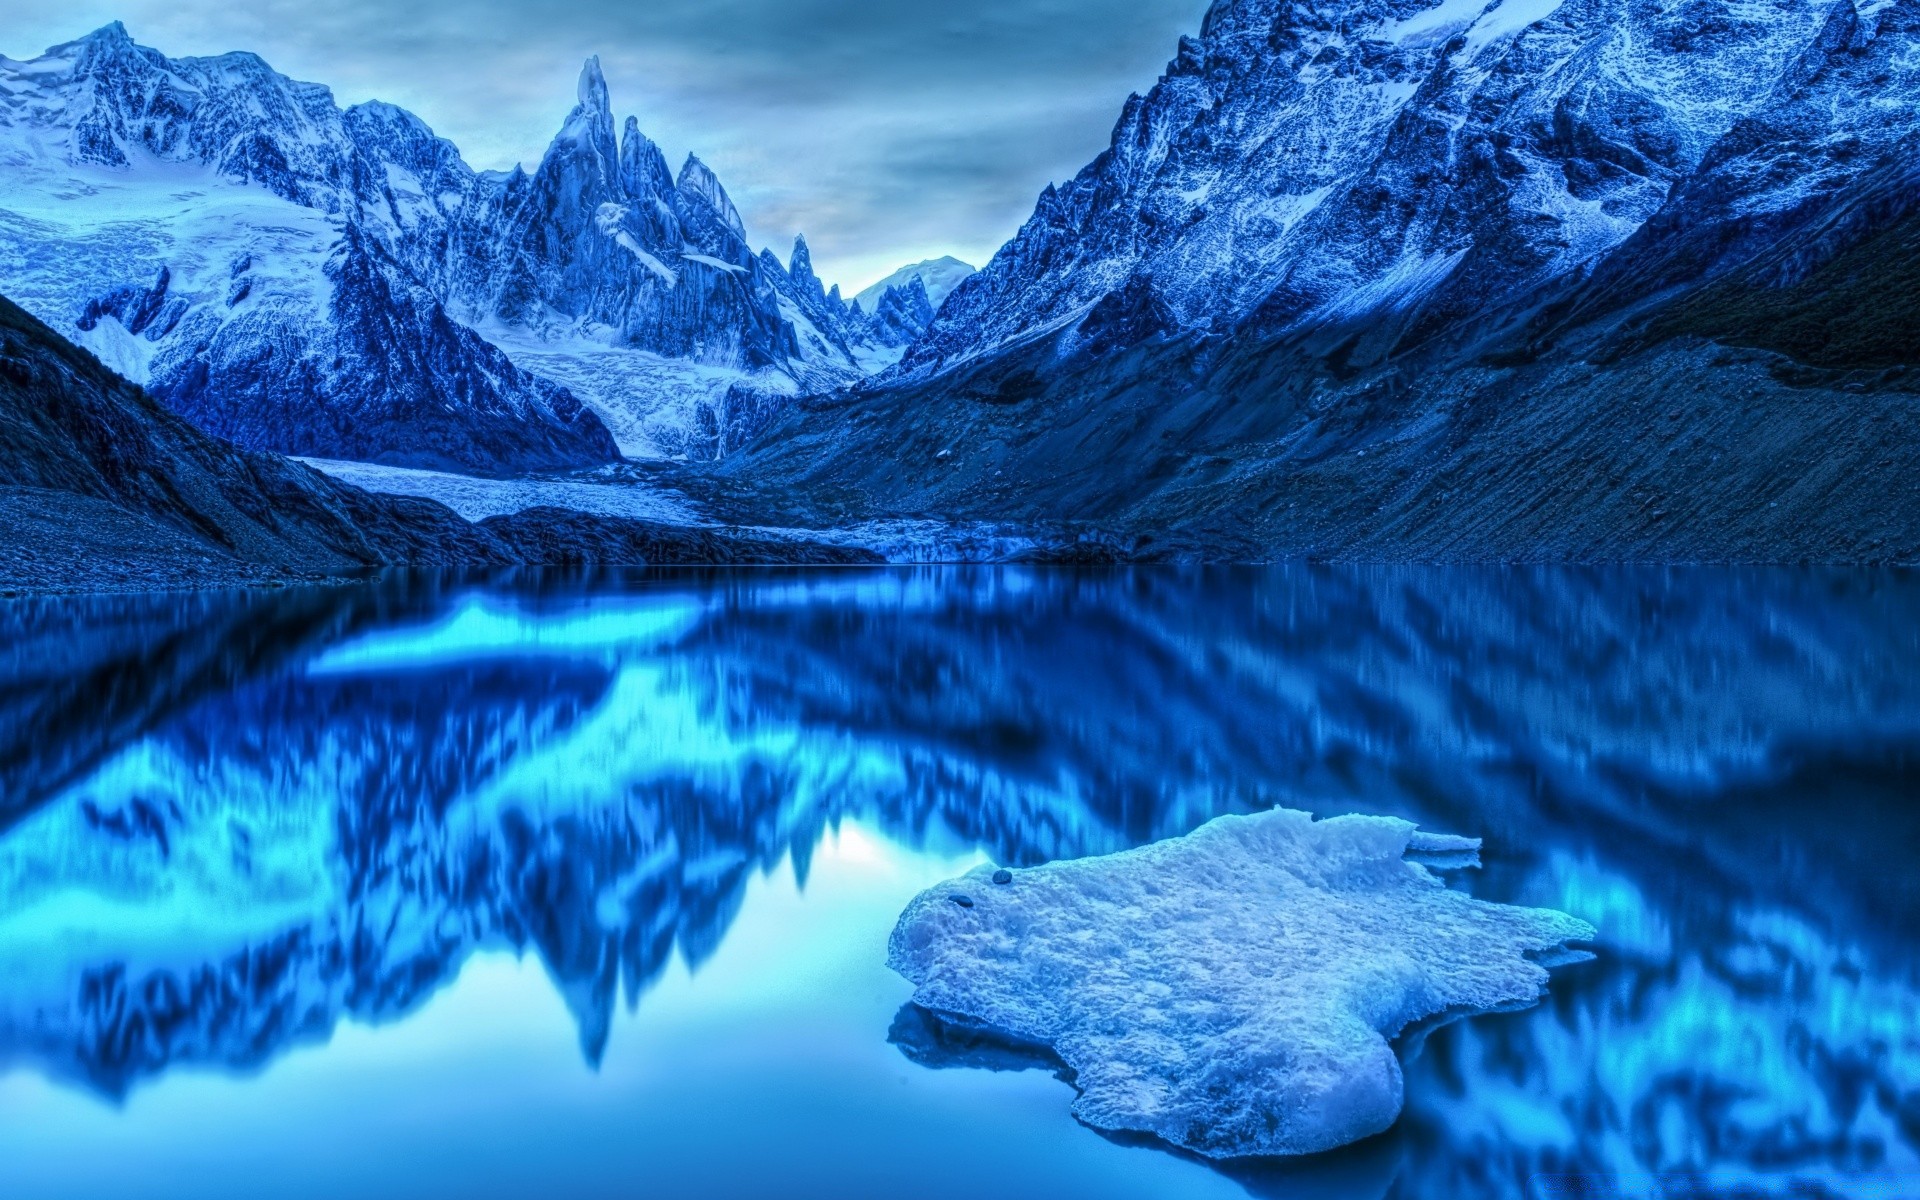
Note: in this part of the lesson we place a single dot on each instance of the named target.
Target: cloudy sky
(885, 130)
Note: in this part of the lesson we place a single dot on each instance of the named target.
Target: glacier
(477, 497)
(1233, 991)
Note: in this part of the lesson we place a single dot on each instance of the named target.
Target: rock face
(601, 233)
(1446, 280)
(307, 279)
(74, 437)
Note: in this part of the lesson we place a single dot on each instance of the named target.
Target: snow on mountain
(194, 223)
(938, 275)
(1306, 163)
(303, 278)
(1396, 279)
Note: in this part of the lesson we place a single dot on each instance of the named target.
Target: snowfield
(476, 498)
(1232, 992)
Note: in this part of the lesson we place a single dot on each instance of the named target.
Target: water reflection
(233, 823)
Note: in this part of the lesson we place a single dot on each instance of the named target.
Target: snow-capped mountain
(601, 234)
(303, 278)
(196, 224)
(1318, 162)
(938, 275)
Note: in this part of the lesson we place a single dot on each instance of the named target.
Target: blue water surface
(540, 885)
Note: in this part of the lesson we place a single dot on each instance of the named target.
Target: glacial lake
(539, 885)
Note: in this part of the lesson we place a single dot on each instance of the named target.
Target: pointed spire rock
(643, 169)
(585, 148)
(800, 267)
(593, 87)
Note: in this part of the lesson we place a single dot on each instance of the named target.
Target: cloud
(886, 130)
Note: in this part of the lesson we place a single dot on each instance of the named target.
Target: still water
(580, 886)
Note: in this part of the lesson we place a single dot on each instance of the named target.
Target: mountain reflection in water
(231, 824)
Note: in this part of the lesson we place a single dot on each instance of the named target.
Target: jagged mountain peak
(697, 176)
(643, 168)
(599, 242)
(112, 31)
(698, 180)
(1457, 281)
(593, 87)
(111, 38)
(800, 262)
(1302, 163)
(938, 275)
(591, 120)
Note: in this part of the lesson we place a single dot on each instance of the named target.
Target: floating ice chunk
(1232, 991)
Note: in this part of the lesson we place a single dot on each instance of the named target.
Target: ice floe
(1234, 991)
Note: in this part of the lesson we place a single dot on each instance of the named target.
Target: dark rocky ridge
(1682, 451)
(102, 488)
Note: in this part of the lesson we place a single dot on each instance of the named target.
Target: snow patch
(607, 219)
(708, 260)
(938, 275)
(1505, 21)
(1233, 991)
(1400, 288)
(651, 403)
(1434, 25)
(122, 351)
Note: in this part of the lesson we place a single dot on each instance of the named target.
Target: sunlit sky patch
(887, 131)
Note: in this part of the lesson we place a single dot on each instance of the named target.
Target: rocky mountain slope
(1596, 279)
(308, 279)
(102, 488)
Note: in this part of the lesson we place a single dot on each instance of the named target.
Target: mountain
(196, 221)
(1591, 280)
(338, 282)
(1321, 163)
(602, 235)
(938, 275)
(102, 488)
